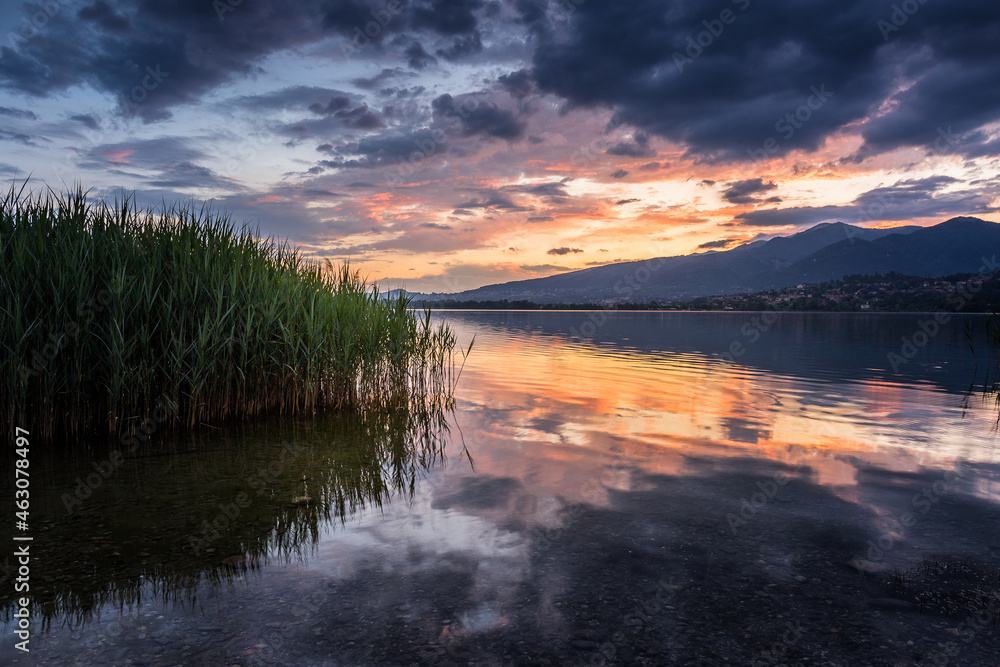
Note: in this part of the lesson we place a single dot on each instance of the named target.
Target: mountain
(828, 251)
(956, 246)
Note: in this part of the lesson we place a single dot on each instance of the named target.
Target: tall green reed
(112, 312)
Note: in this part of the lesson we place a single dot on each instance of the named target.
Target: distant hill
(889, 292)
(825, 252)
(955, 246)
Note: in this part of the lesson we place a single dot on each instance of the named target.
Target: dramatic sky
(447, 144)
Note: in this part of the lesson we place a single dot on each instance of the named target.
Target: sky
(442, 145)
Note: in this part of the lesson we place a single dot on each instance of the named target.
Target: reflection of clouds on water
(484, 617)
(598, 470)
(486, 528)
(666, 392)
(422, 535)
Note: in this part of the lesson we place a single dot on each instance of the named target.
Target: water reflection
(209, 512)
(635, 498)
(657, 380)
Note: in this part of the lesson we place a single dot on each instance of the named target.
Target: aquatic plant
(172, 528)
(119, 319)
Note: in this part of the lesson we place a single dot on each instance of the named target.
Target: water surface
(611, 488)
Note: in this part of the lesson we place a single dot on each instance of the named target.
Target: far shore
(965, 293)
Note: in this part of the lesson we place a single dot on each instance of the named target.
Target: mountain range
(828, 251)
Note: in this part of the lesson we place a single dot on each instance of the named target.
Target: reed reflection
(164, 527)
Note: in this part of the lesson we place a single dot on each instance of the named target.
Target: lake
(610, 488)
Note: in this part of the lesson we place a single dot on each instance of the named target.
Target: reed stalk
(113, 313)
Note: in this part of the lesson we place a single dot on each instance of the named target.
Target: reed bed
(120, 320)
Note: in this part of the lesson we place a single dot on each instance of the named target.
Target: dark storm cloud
(619, 173)
(292, 98)
(954, 60)
(928, 197)
(153, 55)
(346, 15)
(493, 199)
(479, 118)
(504, 198)
(462, 47)
(401, 92)
(103, 15)
(447, 17)
(904, 200)
(87, 120)
(382, 78)
(335, 115)
(17, 137)
(622, 202)
(150, 154)
(532, 13)
(971, 144)
(382, 150)
(165, 162)
(375, 22)
(417, 57)
(721, 243)
(186, 175)
(550, 190)
(517, 83)
(780, 70)
(336, 104)
(639, 147)
(563, 251)
(745, 192)
(360, 117)
(313, 193)
(23, 114)
(796, 215)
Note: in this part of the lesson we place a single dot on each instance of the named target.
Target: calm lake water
(611, 488)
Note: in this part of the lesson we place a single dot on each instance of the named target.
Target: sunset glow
(461, 143)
